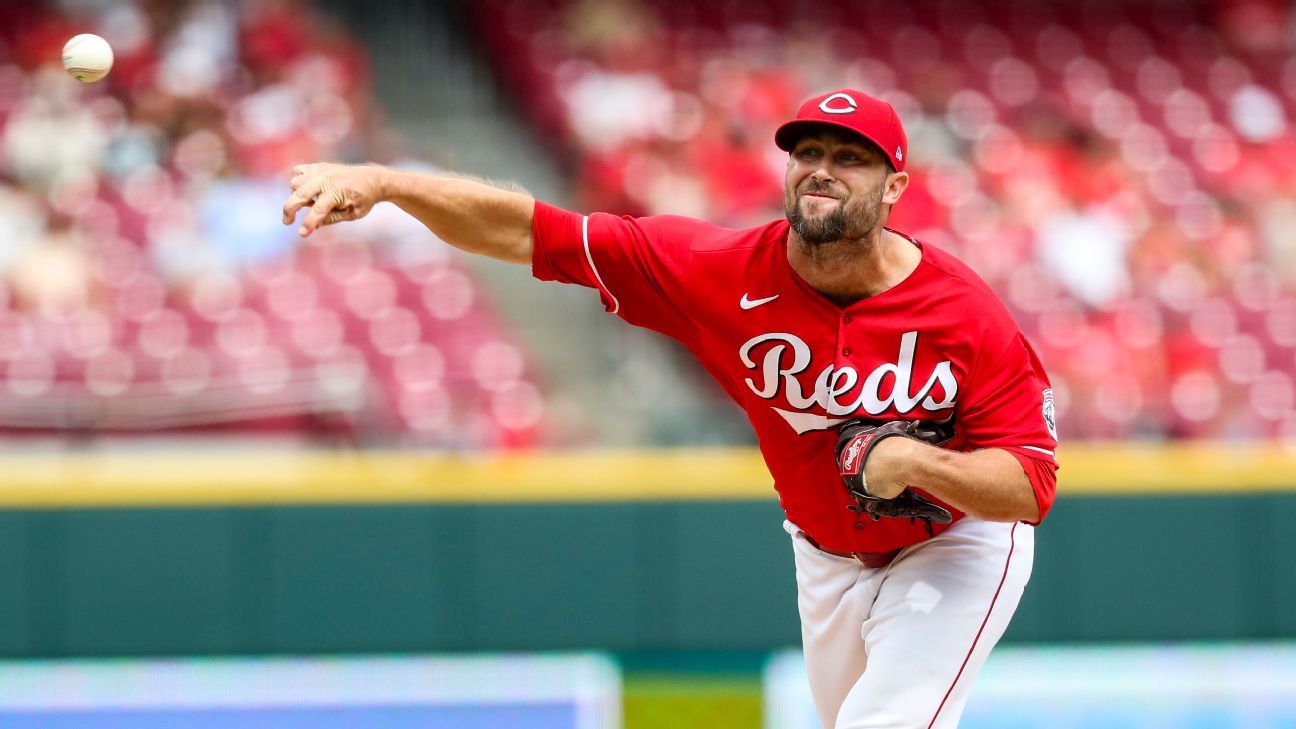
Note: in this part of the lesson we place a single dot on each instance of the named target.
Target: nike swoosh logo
(747, 303)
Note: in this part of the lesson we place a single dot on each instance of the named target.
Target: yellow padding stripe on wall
(250, 478)
(292, 477)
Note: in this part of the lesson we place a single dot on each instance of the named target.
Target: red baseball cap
(854, 111)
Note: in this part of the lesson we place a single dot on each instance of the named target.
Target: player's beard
(849, 220)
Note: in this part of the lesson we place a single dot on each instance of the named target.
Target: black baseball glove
(857, 438)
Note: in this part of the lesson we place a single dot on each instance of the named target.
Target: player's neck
(847, 271)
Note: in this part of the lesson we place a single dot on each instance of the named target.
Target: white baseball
(87, 57)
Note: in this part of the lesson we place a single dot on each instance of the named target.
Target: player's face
(835, 188)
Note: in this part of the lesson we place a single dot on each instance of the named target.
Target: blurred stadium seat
(1124, 173)
(148, 284)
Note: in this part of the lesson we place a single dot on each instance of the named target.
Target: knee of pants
(887, 708)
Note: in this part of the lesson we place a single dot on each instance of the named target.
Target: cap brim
(787, 136)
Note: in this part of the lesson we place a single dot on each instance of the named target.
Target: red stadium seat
(292, 295)
(30, 373)
(109, 372)
(318, 333)
(496, 365)
(394, 332)
(370, 293)
(241, 333)
(449, 295)
(216, 296)
(1273, 395)
(86, 333)
(139, 298)
(163, 334)
(186, 371)
(264, 370)
(422, 367)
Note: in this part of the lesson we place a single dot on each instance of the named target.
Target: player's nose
(821, 174)
(818, 181)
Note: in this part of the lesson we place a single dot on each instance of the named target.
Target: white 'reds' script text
(788, 356)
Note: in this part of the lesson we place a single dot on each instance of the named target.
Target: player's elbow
(1018, 503)
(1008, 511)
(1027, 511)
(521, 249)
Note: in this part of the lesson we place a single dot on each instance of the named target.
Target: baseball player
(906, 421)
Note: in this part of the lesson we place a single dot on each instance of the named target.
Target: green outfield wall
(93, 572)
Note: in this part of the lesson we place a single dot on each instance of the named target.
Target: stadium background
(219, 441)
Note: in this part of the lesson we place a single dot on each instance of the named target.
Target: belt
(872, 560)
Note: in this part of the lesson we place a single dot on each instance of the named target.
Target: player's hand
(873, 458)
(885, 464)
(333, 193)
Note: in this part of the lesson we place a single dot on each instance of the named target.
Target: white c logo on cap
(851, 106)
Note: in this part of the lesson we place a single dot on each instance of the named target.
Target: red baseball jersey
(937, 343)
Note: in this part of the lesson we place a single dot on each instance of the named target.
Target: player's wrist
(884, 470)
(389, 183)
(920, 463)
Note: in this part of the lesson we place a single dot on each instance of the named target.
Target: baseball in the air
(87, 57)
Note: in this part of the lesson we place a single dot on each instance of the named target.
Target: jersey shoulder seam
(761, 239)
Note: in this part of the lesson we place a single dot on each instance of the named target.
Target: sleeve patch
(1050, 413)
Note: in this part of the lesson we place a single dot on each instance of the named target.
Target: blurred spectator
(1084, 249)
(149, 284)
(1261, 26)
(52, 274)
(51, 133)
(1126, 177)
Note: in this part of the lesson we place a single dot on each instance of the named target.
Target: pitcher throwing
(906, 420)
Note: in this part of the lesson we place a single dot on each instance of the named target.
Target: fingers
(329, 201)
(312, 187)
(300, 176)
(304, 193)
(341, 216)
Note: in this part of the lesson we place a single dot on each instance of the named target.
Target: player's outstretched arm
(988, 484)
(466, 213)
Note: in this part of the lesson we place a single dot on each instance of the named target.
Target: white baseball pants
(899, 647)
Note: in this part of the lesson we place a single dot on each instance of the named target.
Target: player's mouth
(818, 191)
(819, 199)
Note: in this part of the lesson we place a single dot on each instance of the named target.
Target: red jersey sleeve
(1012, 408)
(639, 266)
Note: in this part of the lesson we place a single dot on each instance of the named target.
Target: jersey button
(859, 525)
(846, 351)
(846, 319)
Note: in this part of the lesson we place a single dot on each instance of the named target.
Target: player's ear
(896, 184)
